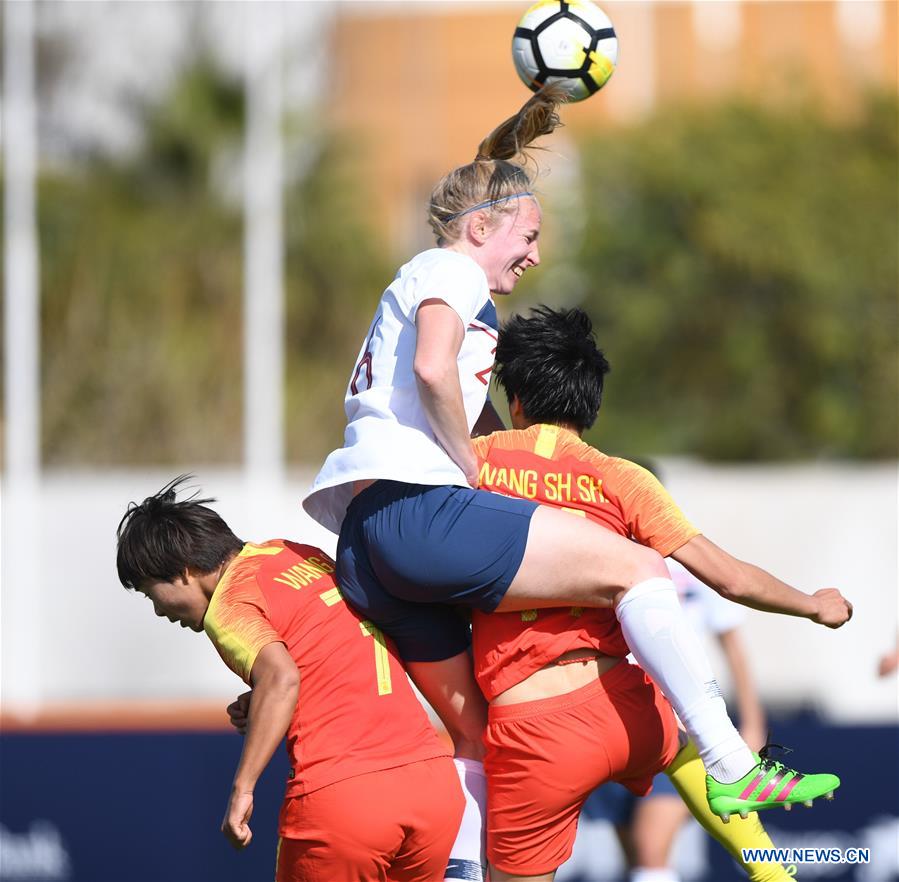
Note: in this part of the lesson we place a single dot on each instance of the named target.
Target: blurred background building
(421, 84)
(219, 192)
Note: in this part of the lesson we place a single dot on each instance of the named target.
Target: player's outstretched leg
(603, 568)
(769, 784)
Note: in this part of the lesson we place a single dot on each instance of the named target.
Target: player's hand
(239, 711)
(833, 609)
(236, 825)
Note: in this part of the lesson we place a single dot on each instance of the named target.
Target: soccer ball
(570, 42)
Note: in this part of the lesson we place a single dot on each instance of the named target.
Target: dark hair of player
(161, 538)
(551, 363)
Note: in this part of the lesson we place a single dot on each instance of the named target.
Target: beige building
(420, 83)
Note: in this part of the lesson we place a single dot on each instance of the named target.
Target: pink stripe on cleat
(769, 787)
(788, 789)
(755, 783)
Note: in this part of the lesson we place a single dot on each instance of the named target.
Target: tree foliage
(336, 271)
(740, 265)
(142, 291)
(141, 275)
(741, 268)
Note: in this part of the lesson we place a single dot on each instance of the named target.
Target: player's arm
(752, 586)
(749, 708)
(450, 688)
(440, 336)
(276, 685)
(488, 422)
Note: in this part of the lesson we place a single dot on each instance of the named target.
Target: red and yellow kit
(356, 711)
(398, 825)
(554, 467)
(545, 757)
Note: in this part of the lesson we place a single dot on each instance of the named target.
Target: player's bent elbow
(726, 575)
(287, 681)
(277, 679)
(281, 689)
(735, 586)
(432, 373)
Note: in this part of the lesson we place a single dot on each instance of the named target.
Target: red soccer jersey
(554, 467)
(356, 711)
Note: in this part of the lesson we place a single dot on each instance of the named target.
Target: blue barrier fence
(146, 807)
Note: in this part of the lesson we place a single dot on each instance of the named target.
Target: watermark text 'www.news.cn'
(806, 855)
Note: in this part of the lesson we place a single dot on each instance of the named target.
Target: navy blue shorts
(409, 554)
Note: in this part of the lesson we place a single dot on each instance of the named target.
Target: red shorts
(397, 825)
(545, 757)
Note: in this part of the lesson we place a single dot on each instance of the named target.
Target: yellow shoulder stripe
(545, 445)
(250, 550)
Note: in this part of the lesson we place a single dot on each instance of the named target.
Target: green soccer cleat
(769, 784)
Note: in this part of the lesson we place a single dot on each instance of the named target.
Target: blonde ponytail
(537, 117)
(497, 177)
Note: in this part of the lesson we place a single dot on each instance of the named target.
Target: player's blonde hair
(497, 177)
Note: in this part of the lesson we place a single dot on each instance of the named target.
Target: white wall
(815, 525)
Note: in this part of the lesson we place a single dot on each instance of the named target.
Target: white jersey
(388, 434)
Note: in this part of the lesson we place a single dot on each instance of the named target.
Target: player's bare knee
(642, 565)
(649, 564)
(645, 564)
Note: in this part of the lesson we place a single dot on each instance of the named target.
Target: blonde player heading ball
(417, 538)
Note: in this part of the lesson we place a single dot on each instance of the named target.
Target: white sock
(468, 858)
(647, 874)
(731, 767)
(667, 648)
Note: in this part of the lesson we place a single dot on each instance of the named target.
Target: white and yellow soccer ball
(567, 41)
